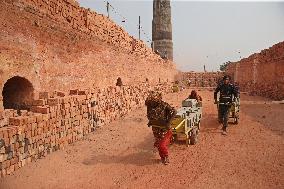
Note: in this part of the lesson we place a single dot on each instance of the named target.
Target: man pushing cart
(228, 104)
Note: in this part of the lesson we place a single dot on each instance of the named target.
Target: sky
(204, 32)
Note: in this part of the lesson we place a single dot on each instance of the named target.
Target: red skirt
(163, 139)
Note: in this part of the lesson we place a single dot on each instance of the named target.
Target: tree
(224, 65)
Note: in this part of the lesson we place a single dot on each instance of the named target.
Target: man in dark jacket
(160, 114)
(227, 95)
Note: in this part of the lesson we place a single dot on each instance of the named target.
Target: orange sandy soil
(121, 154)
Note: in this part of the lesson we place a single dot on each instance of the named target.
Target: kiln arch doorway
(18, 93)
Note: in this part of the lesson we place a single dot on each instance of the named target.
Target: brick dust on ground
(121, 154)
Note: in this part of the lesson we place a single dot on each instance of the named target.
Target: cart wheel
(236, 120)
(198, 128)
(193, 137)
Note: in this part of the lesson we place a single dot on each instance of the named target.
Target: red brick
(66, 100)
(29, 127)
(25, 120)
(17, 145)
(5, 164)
(38, 118)
(74, 92)
(40, 102)
(17, 121)
(40, 109)
(28, 134)
(16, 166)
(52, 101)
(5, 135)
(31, 119)
(2, 132)
(82, 92)
(43, 95)
(3, 173)
(23, 112)
(14, 160)
(11, 132)
(1, 114)
(10, 169)
(60, 94)
(45, 117)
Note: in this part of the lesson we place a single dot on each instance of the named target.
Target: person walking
(160, 115)
(227, 95)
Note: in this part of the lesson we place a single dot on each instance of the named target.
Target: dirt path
(121, 155)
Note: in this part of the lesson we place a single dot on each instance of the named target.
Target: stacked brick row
(56, 120)
(261, 73)
(88, 22)
(273, 54)
(5, 115)
(269, 90)
(202, 79)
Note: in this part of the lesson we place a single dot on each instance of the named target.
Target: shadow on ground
(269, 115)
(209, 124)
(141, 155)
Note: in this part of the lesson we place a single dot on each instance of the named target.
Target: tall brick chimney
(162, 29)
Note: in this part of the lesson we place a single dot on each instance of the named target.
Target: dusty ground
(121, 155)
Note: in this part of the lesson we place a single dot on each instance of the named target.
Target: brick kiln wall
(56, 120)
(56, 46)
(202, 79)
(261, 73)
(86, 21)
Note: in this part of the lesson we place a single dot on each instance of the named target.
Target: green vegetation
(224, 65)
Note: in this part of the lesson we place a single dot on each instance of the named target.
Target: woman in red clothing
(160, 114)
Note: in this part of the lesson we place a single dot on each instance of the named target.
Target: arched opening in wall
(18, 93)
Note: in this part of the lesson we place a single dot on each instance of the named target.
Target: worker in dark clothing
(160, 113)
(227, 95)
(237, 88)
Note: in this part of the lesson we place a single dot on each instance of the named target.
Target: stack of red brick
(56, 120)
(261, 73)
(5, 115)
(202, 79)
(86, 21)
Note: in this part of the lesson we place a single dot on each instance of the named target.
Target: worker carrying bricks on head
(228, 93)
(160, 114)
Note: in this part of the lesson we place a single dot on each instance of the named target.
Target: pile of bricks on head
(56, 120)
